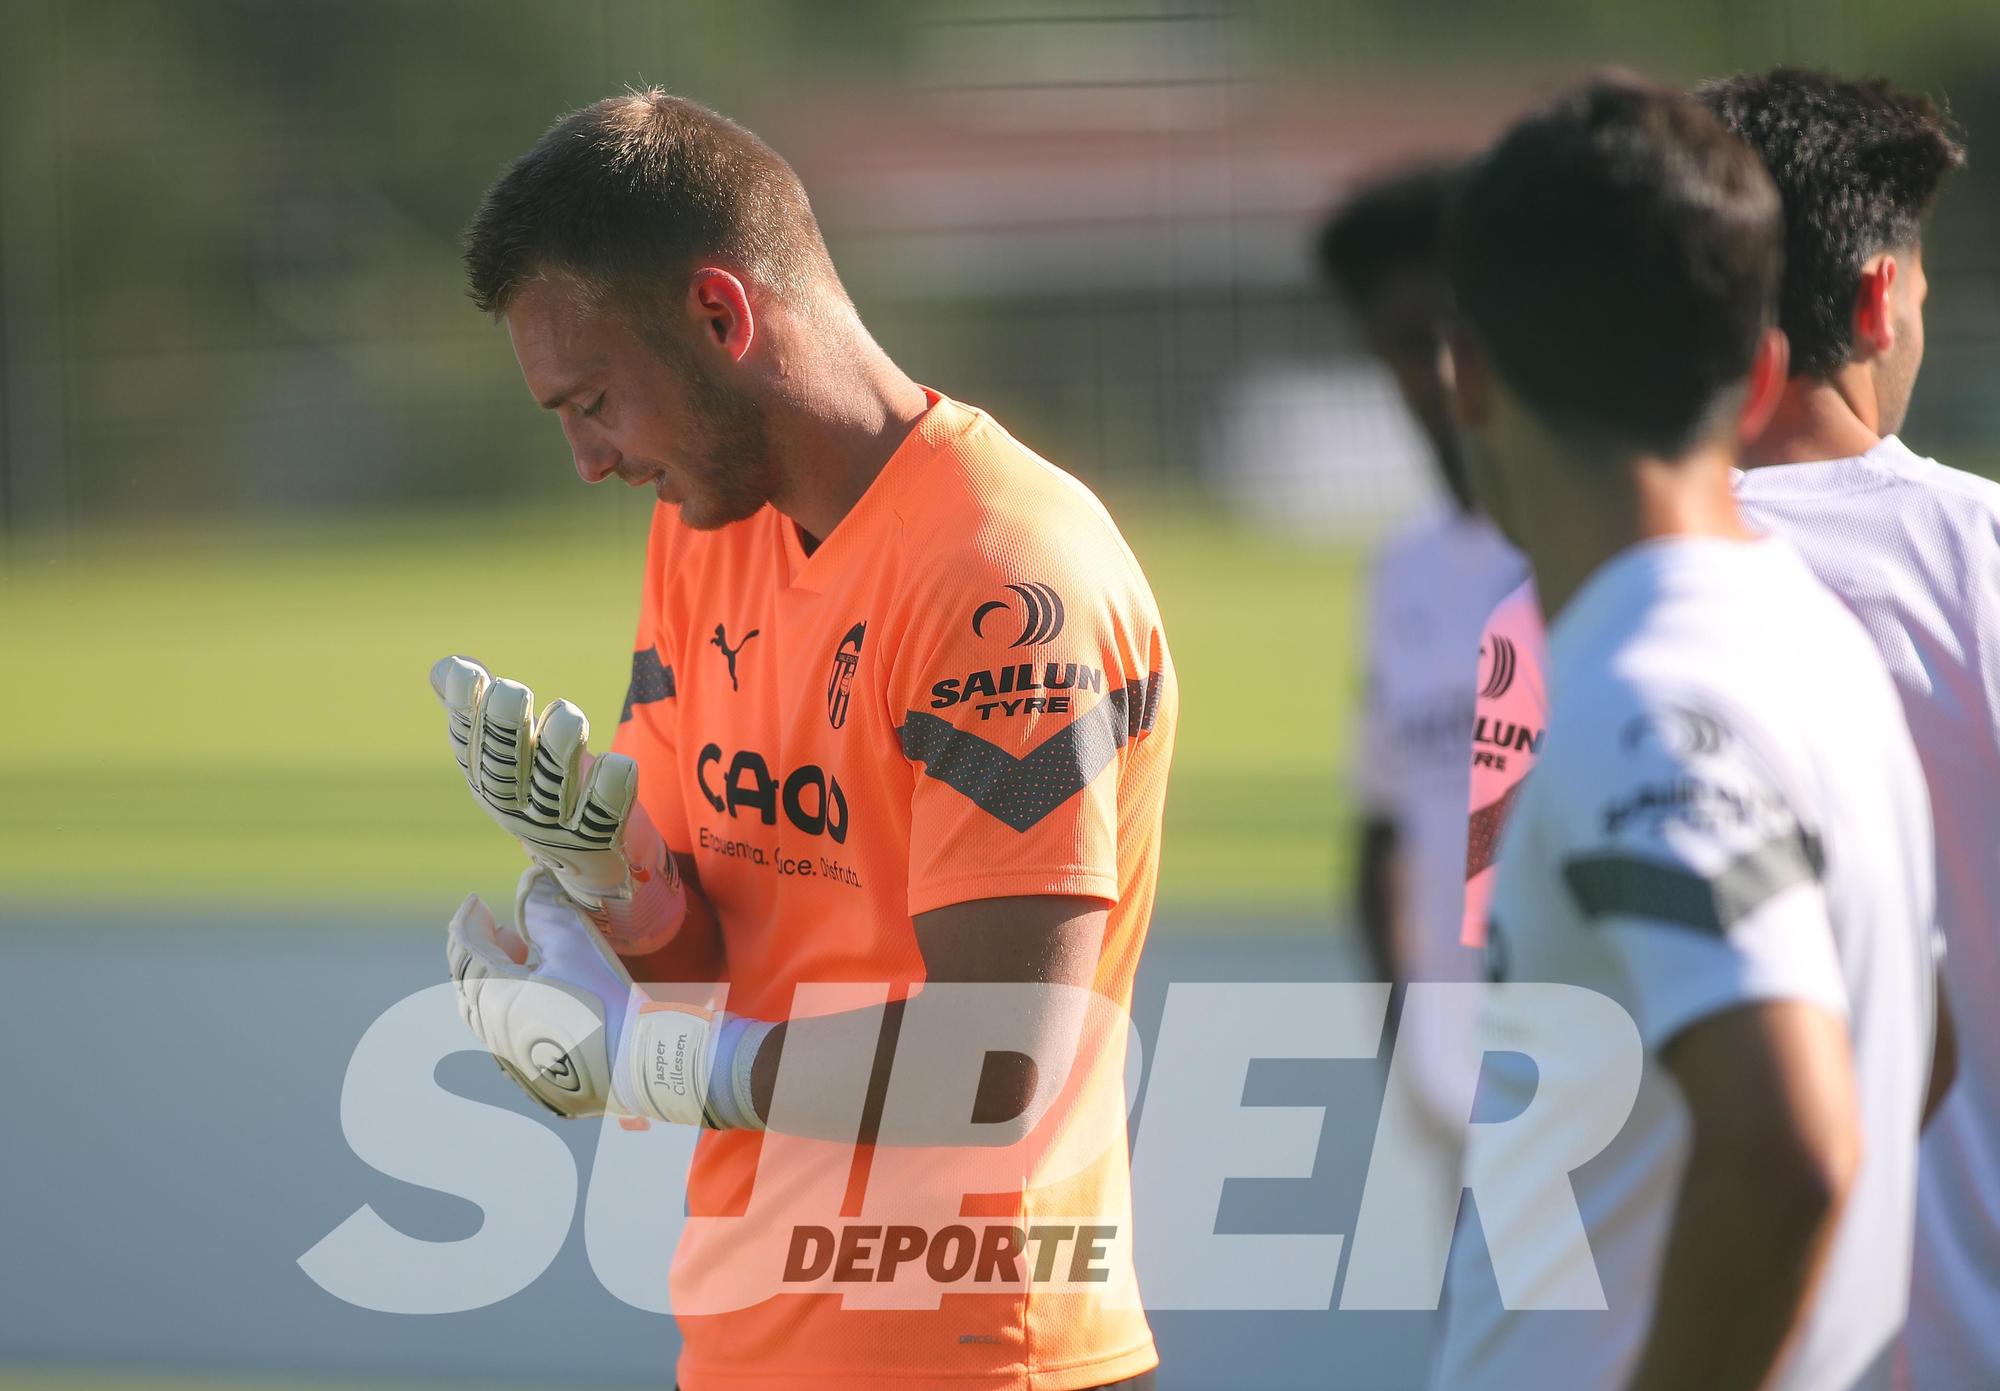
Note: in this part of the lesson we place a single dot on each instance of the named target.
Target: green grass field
(238, 716)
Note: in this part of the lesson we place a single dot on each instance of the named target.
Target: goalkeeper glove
(560, 1013)
(576, 816)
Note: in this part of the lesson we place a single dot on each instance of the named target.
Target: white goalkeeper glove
(578, 817)
(560, 1013)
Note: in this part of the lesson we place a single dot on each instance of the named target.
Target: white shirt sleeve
(1699, 871)
(1379, 781)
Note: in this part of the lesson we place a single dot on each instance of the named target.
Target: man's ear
(720, 308)
(1765, 385)
(1471, 376)
(1874, 307)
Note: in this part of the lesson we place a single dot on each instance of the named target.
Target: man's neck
(851, 410)
(1818, 418)
(1609, 512)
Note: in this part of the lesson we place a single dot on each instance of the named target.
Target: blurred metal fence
(228, 275)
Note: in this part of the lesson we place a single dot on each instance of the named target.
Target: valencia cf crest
(840, 682)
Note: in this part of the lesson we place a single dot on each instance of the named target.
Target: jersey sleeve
(1379, 782)
(1020, 687)
(1681, 850)
(649, 723)
(1509, 720)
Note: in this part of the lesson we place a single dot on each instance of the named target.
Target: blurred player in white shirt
(1727, 833)
(1432, 585)
(1913, 548)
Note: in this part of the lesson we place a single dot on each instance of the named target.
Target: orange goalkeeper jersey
(963, 693)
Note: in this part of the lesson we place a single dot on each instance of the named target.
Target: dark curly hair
(1857, 165)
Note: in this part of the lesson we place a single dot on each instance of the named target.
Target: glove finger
(470, 925)
(503, 734)
(477, 945)
(458, 683)
(608, 796)
(565, 943)
(554, 780)
(457, 954)
(544, 912)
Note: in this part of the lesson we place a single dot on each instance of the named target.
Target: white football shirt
(1727, 809)
(1432, 588)
(1913, 548)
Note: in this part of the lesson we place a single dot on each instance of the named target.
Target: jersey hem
(1080, 880)
(1067, 1376)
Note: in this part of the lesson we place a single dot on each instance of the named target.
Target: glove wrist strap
(644, 913)
(668, 1065)
(691, 1066)
(736, 1043)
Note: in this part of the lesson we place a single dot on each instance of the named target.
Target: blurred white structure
(1319, 450)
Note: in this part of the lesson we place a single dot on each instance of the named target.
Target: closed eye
(594, 408)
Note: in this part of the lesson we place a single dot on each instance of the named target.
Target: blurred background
(258, 456)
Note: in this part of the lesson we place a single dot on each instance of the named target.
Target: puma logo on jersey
(721, 643)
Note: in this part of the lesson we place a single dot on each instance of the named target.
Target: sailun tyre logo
(1500, 675)
(1043, 619)
(1682, 732)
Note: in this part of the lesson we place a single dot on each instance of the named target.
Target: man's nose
(596, 465)
(595, 460)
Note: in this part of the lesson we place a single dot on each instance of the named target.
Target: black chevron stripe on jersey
(1021, 791)
(651, 680)
(1630, 886)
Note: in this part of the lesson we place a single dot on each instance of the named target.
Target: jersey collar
(858, 537)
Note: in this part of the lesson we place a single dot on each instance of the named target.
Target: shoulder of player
(1518, 617)
(995, 584)
(1947, 558)
(1051, 587)
(1414, 550)
(986, 479)
(1931, 497)
(1967, 502)
(1032, 524)
(1617, 712)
